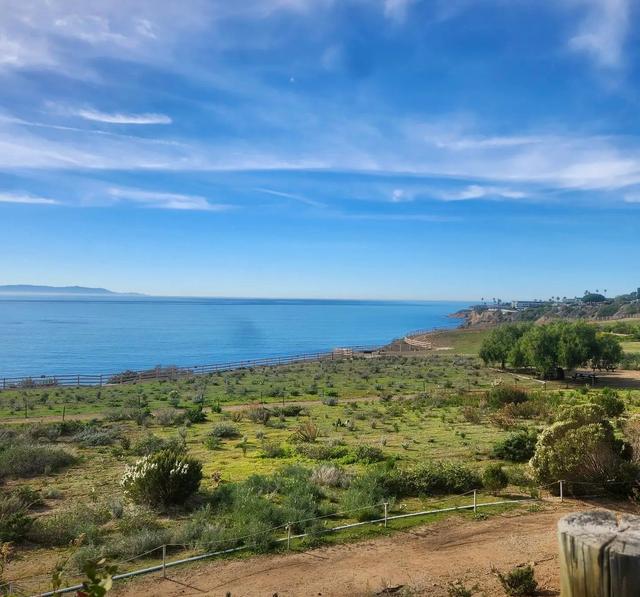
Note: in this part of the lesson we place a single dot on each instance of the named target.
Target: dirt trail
(424, 558)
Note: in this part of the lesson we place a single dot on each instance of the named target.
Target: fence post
(475, 500)
(164, 561)
(386, 513)
(78, 385)
(101, 380)
(288, 535)
(561, 492)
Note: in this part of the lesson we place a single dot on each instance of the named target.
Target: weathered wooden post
(599, 554)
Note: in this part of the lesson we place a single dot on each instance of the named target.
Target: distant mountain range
(57, 290)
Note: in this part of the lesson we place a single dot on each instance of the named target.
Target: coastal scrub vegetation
(203, 464)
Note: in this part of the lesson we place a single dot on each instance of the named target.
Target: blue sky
(321, 148)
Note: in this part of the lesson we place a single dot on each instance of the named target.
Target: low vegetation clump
(15, 521)
(66, 526)
(433, 478)
(96, 436)
(494, 478)
(162, 479)
(502, 395)
(365, 497)
(21, 459)
(225, 431)
(519, 582)
(516, 447)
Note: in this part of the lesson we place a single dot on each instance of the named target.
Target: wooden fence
(173, 372)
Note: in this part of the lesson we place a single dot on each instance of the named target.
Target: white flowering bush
(162, 479)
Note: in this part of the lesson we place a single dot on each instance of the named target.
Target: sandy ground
(424, 559)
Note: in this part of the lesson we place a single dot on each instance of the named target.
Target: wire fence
(171, 373)
(20, 586)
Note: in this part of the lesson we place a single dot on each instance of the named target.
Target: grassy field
(403, 410)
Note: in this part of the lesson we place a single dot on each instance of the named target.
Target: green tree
(500, 342)
(608, 352)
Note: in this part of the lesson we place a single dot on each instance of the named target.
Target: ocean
(75, 335)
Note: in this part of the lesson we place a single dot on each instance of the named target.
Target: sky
(434, 149)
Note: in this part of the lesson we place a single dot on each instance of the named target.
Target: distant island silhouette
(68, 290)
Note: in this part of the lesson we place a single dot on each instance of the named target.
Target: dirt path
(424, 558)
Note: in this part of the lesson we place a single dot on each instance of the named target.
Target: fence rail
(173, 372)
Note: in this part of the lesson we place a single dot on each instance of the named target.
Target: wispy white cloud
(162, 200)
(396, 10)
(120, 118)
(481, 192)
(294, 196)
(603, 31)
(27, 199)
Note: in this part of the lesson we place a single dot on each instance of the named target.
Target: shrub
(516, 447)
(274, 450)
(14, 519)
(148, 444)
(141, 541)
(329, 475)
(26, 460)
(330, 401)
(258, 414)
(62, 528)
(501, 395)
(368, 454)
(289, 410)
(322, 451)
(162, 479)
(494, 478)
(195, 414)
(610, 402)
(168, 417)
(472, 414)
(212, 442)
(432, 478)
(364, 497)
(581, 446)
(96, 436)
(519, 582)
(224, 430)
(306, 432)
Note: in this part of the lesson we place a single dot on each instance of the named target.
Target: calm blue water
(91, 335)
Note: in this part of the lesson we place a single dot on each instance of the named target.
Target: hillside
(27, 289)
(620, 307)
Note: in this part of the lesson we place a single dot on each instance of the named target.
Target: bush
(141, 541)
(14, 519)
(169, 417)
(581, 446)
(258, 414)
(329, 475)
(96, 436)
(162, 479)
(274, 450)
(25, 460)
(517, 447)
(364, 497)
(306, 432)
(322, 451)
(519, 582)
(432, 478)
(148, 444)
(195, 414)
(212, 442)
(368, 454)
(501, 395)
(610, 402)
(224, 430)
(289, 410)
(62, 528)
(494, 478)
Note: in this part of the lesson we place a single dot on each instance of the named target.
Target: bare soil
(424, 559)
